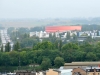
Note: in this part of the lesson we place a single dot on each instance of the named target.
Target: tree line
(52, 52)
(47, 55)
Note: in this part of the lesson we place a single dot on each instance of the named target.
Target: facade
(40, 34)
(93, 70)
(62, 28)
(87, 71)
(32, 34)
(25, 73)
(79, 71)
(59, 72)
(52, 72)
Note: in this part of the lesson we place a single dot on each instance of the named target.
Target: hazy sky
(49, 8)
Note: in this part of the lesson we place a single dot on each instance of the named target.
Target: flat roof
(82, 63)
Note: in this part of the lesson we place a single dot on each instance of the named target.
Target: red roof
(62, 28)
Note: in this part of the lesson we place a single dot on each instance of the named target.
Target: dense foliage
(46, 55)
(51, 52)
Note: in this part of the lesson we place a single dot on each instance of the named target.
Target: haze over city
(41, 9)
(49, 37)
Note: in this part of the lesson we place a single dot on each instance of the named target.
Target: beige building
(79, 71)
(87, 71)
(59, 72)
(53, 72)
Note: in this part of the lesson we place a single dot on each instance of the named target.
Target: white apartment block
(5, 39)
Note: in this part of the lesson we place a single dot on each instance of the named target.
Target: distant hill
(48, 22)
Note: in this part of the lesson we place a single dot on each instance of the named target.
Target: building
(40, 73)
(51, 29)
(41, 34)
(10, 73)
(5, 39)
(32, 34)
(80, 64)
(59, 72)
(53, 72)
(24, 72)
(95, 70)
(78, 71)
(86, 71)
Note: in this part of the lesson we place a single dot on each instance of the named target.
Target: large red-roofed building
(62, 28)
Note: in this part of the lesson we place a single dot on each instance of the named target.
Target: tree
(60, 45)
(69, 55)
(14, 56)
(2, 48)
(69, 51)
(46, 63)
(7, 47)
(5, 59)
(23, 30)
(70, 46)
(87, 47)
(16, 46)
(98, 33)
(44, 45)
(23, 58)
(80, 55)
(68, 36)
(91, 56)
(28, 42)
(37, 29)
(74, 37)
(89, 39)
(59, 61)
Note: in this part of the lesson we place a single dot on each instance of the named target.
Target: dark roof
(19, 71)
(84, 69)
(57, 71)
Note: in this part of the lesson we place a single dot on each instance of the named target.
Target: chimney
(94, 71)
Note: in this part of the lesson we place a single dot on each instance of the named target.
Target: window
(88, 70)
(75, 73)
(97, 70)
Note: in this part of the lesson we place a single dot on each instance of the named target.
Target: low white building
(40, 34)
